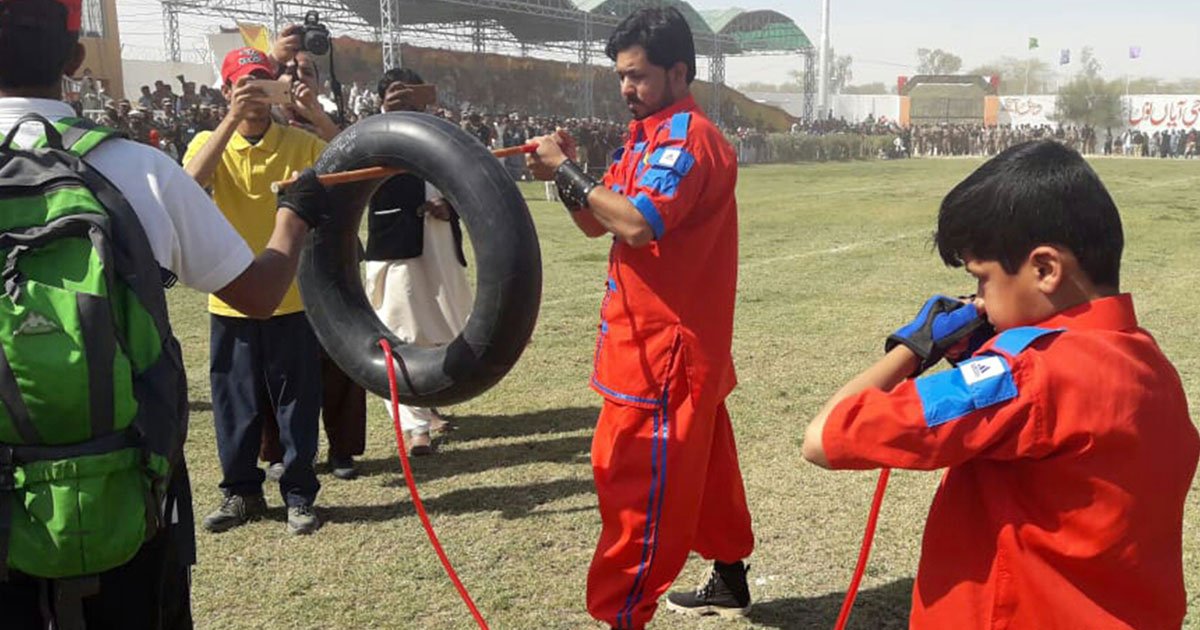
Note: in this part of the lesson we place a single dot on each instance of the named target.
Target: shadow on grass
(511, 501)
(452, 459)
(565, 420)
(199, 405)
(882, 608)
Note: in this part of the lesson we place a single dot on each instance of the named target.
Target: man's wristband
(574, 185)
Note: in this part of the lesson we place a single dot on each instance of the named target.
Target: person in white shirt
(191, 239)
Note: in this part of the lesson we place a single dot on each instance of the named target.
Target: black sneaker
(343, 467)
(235, 510)
(725, 593)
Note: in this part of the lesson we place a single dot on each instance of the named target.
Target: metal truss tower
(810, 85)
(171, 31)
(389, 33)
(716, 77)
(587, 108)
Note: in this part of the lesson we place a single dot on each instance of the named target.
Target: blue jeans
(256, 365)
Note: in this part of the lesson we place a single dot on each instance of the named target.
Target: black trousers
(150, 592)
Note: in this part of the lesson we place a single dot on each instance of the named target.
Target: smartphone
(278, 92)
(424, 94)
(420, 95)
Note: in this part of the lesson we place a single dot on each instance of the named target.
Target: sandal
(420, 445)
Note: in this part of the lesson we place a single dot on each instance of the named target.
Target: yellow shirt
(241, 188)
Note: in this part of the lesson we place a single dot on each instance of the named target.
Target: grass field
(832, 258)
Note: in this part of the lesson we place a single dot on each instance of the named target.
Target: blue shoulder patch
(976, 384)
(1015, 340)
(616, 155)
(679, 125)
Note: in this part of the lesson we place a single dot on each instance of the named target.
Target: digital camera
(316, 35)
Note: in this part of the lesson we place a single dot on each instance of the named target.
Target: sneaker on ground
(235, 510)
(302, 520)
(725, 593)
(343, 467)
(275, 471)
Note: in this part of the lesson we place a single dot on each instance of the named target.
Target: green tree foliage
(1090, 101)
(869, 88)
(1012, 70)
(937, 61)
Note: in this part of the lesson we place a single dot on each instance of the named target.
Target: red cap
(74, 12)
(238, 63)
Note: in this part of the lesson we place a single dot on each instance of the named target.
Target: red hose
(412, 489)
(865, 551)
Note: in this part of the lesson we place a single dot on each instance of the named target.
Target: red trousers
(668, 484)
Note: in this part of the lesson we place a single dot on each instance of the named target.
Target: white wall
(138, 73)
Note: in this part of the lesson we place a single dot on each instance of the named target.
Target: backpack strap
(52, 137)
(78, 136)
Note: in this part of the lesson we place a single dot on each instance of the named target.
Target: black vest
(395, 228)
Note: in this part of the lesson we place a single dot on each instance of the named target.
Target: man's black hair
(1034, 193)
(662, 32)
(408, 76)
(35, 45)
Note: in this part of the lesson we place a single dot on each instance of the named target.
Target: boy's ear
(1047, 263)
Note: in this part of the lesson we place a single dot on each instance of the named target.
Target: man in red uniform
(1066, 437)
(663, 455)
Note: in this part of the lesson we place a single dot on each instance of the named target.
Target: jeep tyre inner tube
(507, 265)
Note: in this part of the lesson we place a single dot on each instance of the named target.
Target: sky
(883, 35)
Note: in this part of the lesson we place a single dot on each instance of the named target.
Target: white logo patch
(36, 324)
(669, 157)
(982, 370)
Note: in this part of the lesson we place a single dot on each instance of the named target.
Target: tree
(1089, 66)
(937, 61)
(1012, 75)
(868, 88)
(1094, 102)
(840, 73)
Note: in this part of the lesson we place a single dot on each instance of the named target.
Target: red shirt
(673, 299)
(1070, 454)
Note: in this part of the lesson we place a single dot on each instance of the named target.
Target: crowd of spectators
(168, 120)
(161, 117)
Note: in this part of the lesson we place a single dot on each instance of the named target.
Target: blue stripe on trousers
(658, 485)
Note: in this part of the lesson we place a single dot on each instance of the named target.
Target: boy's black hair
(35, 45)
(664, 34)
(1032, 194)
(407, 76)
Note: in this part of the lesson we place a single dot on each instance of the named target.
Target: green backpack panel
(92, 392)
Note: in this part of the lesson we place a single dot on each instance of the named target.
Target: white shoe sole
(705, 611)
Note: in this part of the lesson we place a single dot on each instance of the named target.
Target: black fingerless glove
(308, 198)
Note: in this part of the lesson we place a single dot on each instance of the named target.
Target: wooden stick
(380, 172)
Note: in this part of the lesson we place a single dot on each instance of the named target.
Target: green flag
(1033, 43)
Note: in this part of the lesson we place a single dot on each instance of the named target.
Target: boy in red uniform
(1066, 435)
(663, 455)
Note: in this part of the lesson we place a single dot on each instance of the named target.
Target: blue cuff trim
(626, 397)
(1017, 339)
(617, 188)
(679, 125)
(976, 384)
(650, 213)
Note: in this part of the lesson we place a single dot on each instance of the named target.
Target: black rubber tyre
(508, 265)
